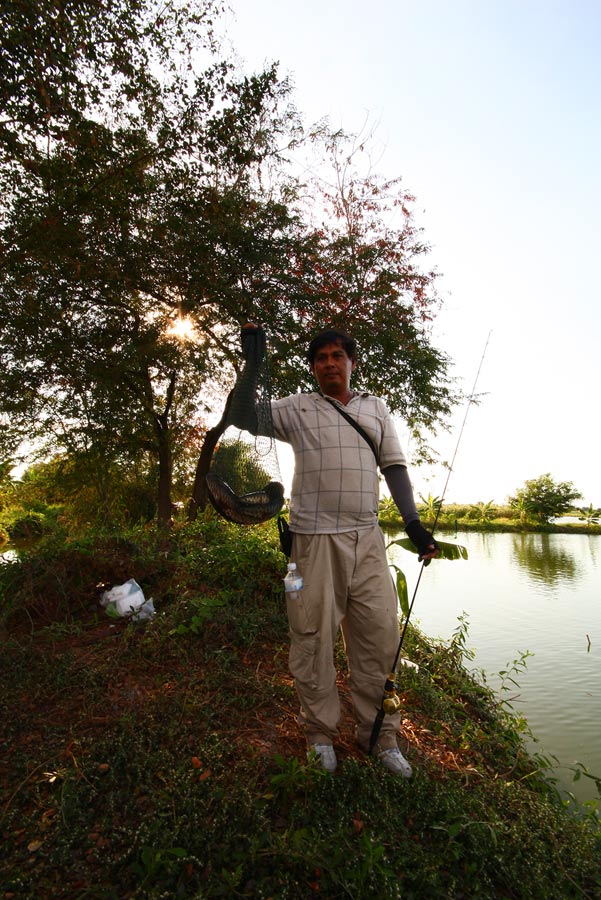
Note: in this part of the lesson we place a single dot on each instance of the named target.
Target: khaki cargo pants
(348, 585)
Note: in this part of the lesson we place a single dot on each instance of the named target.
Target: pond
(537, 593)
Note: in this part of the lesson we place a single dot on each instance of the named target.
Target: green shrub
(27, 525)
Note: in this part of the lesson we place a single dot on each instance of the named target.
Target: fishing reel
(391, 702)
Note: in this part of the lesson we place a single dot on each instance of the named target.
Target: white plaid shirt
(335, 486)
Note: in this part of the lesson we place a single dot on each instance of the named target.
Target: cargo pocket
(302, 658)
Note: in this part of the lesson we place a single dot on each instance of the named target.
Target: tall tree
(139, 190)
(118, 229)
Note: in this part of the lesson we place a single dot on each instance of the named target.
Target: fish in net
(244, 481)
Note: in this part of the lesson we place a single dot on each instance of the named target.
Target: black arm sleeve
(397, 479)
(249, 401)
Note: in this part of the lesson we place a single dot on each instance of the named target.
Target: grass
(164, 760)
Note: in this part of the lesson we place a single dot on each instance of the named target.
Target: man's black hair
(331, 336)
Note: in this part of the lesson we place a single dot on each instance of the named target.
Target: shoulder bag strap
(355, 425)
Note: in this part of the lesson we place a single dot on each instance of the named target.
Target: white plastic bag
(408, 662)
(128, 600)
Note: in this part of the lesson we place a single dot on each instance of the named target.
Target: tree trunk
(200, 496)
(165, 457)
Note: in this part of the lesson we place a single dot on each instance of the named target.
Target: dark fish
(246, 509)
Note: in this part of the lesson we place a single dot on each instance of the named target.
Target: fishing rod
(391, 702)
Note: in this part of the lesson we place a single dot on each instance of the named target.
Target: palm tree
(483, 511)
(521, 507)
(589, 515)
(432, 505)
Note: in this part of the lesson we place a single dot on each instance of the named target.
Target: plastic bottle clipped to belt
(293, 582)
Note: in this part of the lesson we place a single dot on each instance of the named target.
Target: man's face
(332, 368)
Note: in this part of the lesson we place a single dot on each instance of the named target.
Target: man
(339, 549)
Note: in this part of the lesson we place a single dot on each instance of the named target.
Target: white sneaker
(326, 756)
(395, 762)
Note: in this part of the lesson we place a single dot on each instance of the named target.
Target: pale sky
(490, 112)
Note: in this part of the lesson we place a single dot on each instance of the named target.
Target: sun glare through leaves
(182, 328)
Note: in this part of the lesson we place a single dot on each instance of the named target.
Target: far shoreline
(450, 525)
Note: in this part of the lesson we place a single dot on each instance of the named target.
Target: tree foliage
(64, 63)
(145, 180)
(366, 274)
(543, 498)
(142, 204)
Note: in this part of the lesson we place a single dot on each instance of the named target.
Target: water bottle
(293, 582)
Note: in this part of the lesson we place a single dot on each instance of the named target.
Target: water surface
(528, 592)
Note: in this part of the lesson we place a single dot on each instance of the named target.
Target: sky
(489, 110)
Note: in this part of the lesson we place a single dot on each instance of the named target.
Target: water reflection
(545, 561)
(486, 547)
(593, 548)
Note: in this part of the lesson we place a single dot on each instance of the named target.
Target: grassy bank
(478, 517)
(164, 759)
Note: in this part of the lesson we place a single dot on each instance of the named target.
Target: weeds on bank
(164, 760)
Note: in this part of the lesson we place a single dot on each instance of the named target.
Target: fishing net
(244, 481)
